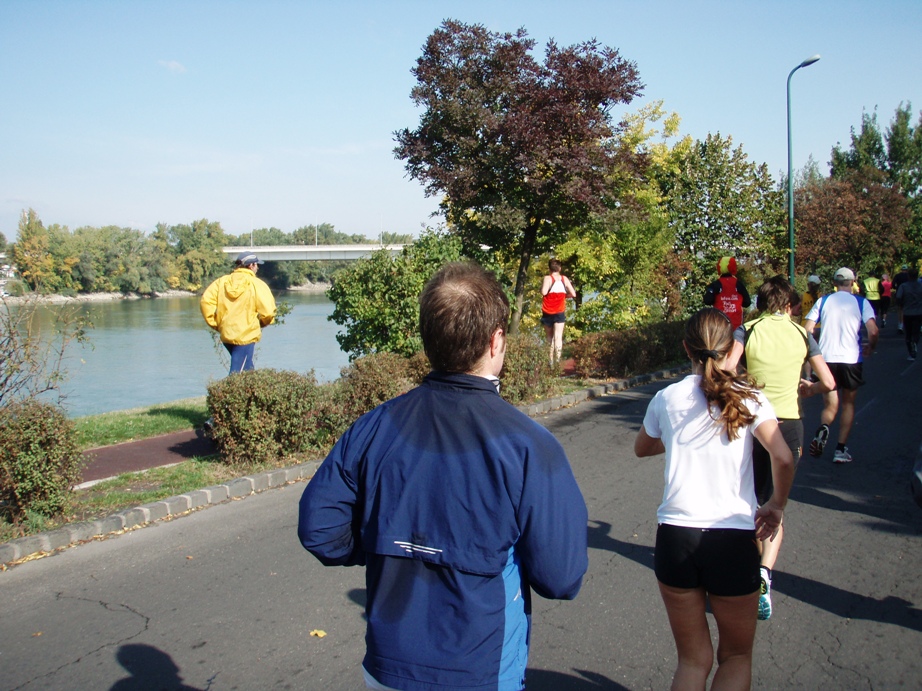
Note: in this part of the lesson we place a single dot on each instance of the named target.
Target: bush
(263, 415)
(373, 379)
(39, 458)
(527, 372)
(629, 352)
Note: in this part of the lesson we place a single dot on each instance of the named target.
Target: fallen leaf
(318, 633)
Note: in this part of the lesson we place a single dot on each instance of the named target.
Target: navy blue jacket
(459, 505)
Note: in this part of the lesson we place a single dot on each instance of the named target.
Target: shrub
(39, 458)
(263, 415)
(373, 379)
(527, 372)
(629, 352)
(418, 367)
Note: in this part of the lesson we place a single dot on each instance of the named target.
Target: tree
(866, 151)
(904, 166)
(197, 248)
(32, 361)
(521, 152)
(32, 253)
(618, 257)
(893, 159)
(377, 299)
(719, 203)
(855, 221)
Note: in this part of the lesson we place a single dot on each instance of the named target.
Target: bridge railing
(311, 252)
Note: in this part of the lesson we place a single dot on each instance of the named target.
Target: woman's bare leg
(686, 611)
(736, 631)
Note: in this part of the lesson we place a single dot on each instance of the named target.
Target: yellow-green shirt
(776, 349)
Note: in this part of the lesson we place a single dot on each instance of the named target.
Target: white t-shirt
(841, 315)
(709, 481)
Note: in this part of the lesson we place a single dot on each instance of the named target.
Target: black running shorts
(723, 561)
(550, 319)
(793, 433)
(848, 376)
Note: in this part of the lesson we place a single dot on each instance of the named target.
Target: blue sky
(270, 113)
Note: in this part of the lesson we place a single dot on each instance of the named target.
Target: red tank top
(554, 303)
(730, 300)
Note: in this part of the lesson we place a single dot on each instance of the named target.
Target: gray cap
(844, 274)
(247, 258)
(814, 279)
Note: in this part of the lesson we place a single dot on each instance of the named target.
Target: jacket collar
(455, 380)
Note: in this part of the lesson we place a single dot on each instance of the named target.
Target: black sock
(840, 447)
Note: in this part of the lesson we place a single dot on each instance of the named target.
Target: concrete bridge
(314, 253)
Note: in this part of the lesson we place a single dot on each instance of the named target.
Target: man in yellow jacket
(237, 306)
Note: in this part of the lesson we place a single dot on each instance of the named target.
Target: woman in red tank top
(555, 290)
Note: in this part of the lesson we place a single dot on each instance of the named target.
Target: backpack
(730, 300)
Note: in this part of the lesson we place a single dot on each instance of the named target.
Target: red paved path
(108, 461)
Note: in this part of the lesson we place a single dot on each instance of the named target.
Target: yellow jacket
(237, 305)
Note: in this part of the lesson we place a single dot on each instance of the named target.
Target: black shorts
(848, 376)
(550, 319)
(723, 561)
(793, 433)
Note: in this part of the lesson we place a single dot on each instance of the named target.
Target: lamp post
(805, 63)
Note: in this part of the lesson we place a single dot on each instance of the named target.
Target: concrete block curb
(239, 488)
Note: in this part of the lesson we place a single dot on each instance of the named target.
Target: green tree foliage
(377, 299)
(618, 257)
(719, 203)
(892, 159)
(520, 151)
(197, 250)
(2, 242)
(31, 253)
(866, 151)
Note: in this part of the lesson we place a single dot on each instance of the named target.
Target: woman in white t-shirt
(709, 519)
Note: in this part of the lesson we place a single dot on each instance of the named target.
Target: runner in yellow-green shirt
(774, 348)
(870, 289)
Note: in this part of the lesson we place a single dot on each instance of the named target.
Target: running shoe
(819, 441)
(765, 595)
(842, 456)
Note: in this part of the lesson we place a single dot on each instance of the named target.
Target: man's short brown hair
(459, 310)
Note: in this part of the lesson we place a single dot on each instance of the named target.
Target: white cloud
(172, 66)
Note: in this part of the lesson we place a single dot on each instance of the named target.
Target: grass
(140, 423)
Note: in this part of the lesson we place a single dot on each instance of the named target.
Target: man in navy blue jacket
(457, 504)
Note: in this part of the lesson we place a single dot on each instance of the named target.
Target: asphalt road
(226, 598)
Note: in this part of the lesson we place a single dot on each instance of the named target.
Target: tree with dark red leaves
(520, 151)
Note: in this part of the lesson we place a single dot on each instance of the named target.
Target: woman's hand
(768, 520)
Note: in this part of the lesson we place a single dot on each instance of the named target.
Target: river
(144, 352)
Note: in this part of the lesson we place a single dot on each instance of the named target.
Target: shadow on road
(842, 603)
(599, 538)
(581, 680)
(150, 669)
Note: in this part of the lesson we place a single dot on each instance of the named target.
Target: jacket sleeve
(745, 293)
(553, 521)
(327, 519)
(209, 305)
(265, 303)
(711, 292)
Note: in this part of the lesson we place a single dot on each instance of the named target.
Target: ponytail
(708, 338)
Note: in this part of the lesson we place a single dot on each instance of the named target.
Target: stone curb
(130, 519)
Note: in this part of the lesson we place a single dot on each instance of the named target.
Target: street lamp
(805, 63)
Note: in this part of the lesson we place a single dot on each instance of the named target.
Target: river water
(144, 352)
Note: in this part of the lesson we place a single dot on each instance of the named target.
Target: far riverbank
(54, 299)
